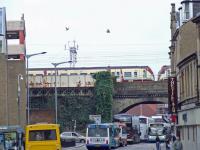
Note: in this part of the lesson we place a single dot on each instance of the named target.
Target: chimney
(173, 20)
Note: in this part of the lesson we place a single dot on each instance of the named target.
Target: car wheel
(82, 141)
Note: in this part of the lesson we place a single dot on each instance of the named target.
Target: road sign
(95, 118)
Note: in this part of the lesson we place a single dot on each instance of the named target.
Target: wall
(16, 67)
(3, 89)
(190, 128)
(187, 41)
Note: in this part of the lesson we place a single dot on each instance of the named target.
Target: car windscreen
(97, 132)
(1, 140)
(42, 135)
(10, 139)
(143, 120)
(156, 129)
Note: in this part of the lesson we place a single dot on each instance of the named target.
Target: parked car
(73, 135)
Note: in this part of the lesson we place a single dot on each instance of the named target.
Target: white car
(73, 135)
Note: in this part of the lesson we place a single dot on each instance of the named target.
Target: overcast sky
(140, 30)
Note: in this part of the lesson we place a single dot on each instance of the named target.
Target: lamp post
(19, 77)
(27, 84)
(55, 87)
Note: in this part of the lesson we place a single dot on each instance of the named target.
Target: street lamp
(19, 77)
(27, 84)
(55, 87)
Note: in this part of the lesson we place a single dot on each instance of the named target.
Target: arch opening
(144, 102)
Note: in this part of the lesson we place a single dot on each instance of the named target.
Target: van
(42, 137)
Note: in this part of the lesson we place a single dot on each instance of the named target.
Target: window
(42, 135)
(144, 74)
(63, 74)
(67, 134)
(188, 133)
(83, 73)
(127, 74)
(135, 74)
(168, 73)
(117, 74)
(143, 120)
(194, 133)
(1, 21)
(113, 73)
(1, 46)
(97, 132)
(10, 139)
(187, 11)
(74, 134)
(73, 73)
(183, 132)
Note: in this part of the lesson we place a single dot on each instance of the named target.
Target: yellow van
(42, 137)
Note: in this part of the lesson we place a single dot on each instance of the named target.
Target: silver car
(73, 135)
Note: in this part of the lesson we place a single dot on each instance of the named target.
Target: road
(141, 146)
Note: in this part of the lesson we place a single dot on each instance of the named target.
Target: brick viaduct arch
(123, 105)
(128, 95)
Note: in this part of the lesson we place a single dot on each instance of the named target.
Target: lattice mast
(73, 47)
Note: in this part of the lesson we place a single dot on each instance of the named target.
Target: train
(82, 76)
(164, 73)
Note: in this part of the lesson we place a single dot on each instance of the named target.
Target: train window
(83, 73)
(73, 74)
(135, 74)
(113, 73)
(63, 74)
(127, 74)
(144, 74)
(117, 74)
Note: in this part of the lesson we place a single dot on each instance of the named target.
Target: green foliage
(103, 95)
(77, 108)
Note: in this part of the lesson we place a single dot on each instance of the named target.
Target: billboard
(172, 92)
(2, 30)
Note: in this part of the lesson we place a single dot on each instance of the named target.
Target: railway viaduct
(126, 95)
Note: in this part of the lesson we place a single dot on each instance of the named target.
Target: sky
(139, 31)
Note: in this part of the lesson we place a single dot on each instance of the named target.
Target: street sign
(95, 118)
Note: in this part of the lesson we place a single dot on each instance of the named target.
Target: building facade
(12, 68)
(184, 55)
